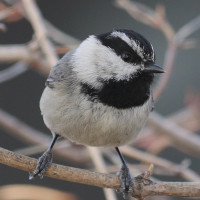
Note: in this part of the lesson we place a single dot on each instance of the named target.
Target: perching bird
(99, 94)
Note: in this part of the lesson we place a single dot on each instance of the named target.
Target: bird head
(119, 59)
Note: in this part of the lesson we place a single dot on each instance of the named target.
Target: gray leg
(125, 177)
(44, 162)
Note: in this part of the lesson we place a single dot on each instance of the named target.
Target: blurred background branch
(179, 130)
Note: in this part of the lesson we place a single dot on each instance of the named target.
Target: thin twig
(24, 53)
(148, 16)
(146, 157)
(38, 149)
(181, 137)
(53, 32)
(137, 169)
(187, 118)
(168, 65)
(188, 29)
(29, 54)
(13, 53)
(12, 72)
(98, 161)
(38, 25)
(59, 36)
(142, 187)
(158, 20)
(173, 45)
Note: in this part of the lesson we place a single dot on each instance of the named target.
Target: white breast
(87, 123)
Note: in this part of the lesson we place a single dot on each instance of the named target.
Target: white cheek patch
(94, 61)
(135, 46)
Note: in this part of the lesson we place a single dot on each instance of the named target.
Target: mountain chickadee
(99, 94)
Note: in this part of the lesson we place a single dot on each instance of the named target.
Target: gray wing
(60, 71)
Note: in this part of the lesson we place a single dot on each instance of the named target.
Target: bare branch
(99, 163)
(29, 54)
(187, 118)
(60, 172)
(24, 53)
(13, 71)
(59, 36)
(38, 25)
(168, 65)
(148, 16)
(173, 45)
(146, 157)
(188, 29)
(158, 20)
(142, 187)
(178, 135)
(13, 53)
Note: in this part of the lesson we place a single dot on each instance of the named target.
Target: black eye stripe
(142, 42)
(119, 47)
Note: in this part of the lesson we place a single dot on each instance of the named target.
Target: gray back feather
(62, 71)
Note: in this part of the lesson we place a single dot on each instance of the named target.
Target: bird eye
(148, 63)
(127, 57)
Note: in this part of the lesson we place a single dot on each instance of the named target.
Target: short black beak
(153, 69)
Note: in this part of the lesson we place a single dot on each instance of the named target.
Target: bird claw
(126, 182)
(44, 162)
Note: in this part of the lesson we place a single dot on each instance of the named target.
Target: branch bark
(142, 187)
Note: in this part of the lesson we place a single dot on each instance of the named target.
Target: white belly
(91, 124)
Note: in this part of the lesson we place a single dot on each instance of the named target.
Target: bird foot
(126, 182)
(44, 162)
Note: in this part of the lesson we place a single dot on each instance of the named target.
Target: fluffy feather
(69, 111)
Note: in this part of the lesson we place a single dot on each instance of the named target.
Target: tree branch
(13, 125)
(100, 165)
(142, 187)
(178, 135)
(145, 157)
(157, 19)
(38, 25)
(173, 45)
(13, 71)
(187, 118)
(24, 53)
(146, 15)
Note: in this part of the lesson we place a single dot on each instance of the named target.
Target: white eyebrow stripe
(153, 55)
(133, 44)
(130, 42)
(124, 37)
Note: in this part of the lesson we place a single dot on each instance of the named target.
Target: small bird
(99, 95)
